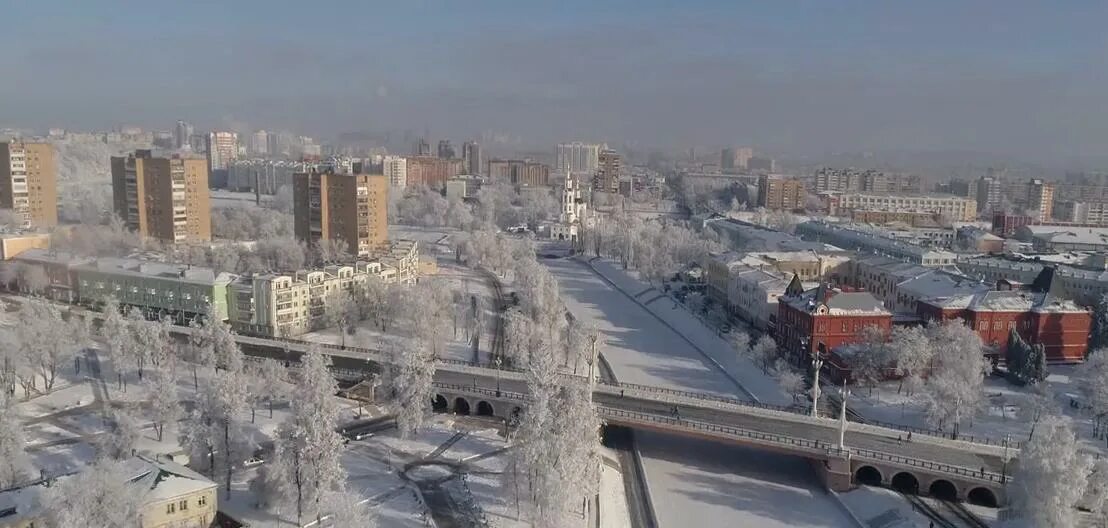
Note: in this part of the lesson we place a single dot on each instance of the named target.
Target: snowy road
(692, 483)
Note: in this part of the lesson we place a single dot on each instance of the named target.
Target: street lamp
(1004, 468)
(843, 394)
(497, 361)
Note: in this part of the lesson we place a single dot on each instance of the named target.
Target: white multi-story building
(869, 240)
(395, 168)
(1090, 213)
(752, 295)
(259, 143)
(955, 207)
(267, 175)
(577, 157)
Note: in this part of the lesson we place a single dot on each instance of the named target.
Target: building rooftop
(146, 268)
(837, 302)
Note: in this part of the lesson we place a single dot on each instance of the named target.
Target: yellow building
(14, 244)
(173, 496)
(28, 186)
(164, 198)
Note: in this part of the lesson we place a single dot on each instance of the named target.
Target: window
(202, 501)
(183, 505)
(170, 508)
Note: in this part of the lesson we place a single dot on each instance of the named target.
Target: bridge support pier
(835, 472)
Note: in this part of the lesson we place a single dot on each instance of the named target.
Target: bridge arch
(905, 482)
(461, 406)
(868, 475)
(439, 403)
(982, 497)
(943, 489)
(484, 408)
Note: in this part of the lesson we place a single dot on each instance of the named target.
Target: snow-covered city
(547, 265)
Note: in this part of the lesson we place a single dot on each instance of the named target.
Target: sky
(1026, 79)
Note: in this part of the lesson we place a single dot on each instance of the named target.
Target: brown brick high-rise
(163, 198)
(28, 182)
(352, 208)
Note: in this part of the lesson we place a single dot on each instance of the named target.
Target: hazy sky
(1004, 76)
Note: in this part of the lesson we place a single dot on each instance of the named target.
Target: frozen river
(692, 483)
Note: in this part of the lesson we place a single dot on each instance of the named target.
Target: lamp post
(497, 361)
(843, 394)
(817, 365)
(1004, 468)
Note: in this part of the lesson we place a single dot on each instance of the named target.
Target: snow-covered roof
(941, 284)
(837, 302)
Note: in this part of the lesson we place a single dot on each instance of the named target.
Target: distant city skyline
(1026, 80)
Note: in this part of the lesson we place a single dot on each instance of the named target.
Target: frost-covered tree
(765, 351)
(329, 251)
(1094, 381)
(341, 312)
(121, 439)
(410, 372)
(790, 381)
(518, 334)
(912, 354)
(165, 405)
(872, 356)
(740, 341)
(347, 510)
(102, 494)
(1026, 362)
(213, 432)
(372, 301)
(215, 344)
(115, 329)
(1096, 488)
(955, 388)
(427, 314)
(15, 465)
(1036, 405)
(1098, 337)
(1050, 478)
(270, 384)
(310, 448)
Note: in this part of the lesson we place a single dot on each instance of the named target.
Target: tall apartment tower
(1040, 199)
(988, 193)
(223, 148)
(446, 150)
(351, 208)
(471, 153)
(423, 148)
(577, 157)
(609, 167)
(163, 197)
(777, 192)
(28, 182)
(395, 168)
(182, 134)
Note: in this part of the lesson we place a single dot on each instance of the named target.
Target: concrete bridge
(929, 464)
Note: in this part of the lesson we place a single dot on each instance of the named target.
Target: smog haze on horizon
(1019, 79)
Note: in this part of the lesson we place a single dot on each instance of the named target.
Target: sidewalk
(717, 352)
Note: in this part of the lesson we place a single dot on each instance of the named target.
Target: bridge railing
(804, 443)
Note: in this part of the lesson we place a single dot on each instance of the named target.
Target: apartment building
(911, 218)
(473, 158)
(172, 496)
(608, 170)
(735, 158)
(28, 182)
(1040, 199)
(395, 168)
(351, 208)
(780, 193)
(163, 197)
(864, 181)
(432, 171)
(264, 176)
(753, 296)
(955, 208)
(577, 157)
(523, 173)
(1088, 213)
(988, 193)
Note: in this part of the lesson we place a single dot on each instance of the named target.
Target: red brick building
(822, 319)
(1036, 312)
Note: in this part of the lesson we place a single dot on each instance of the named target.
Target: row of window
(183, 505)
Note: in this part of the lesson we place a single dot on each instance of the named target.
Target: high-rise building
(28, 185)
(761, 165)
(577, 157)
(867, 181)
(259, 143)
(1090, 213)
(988, 193)
(351, 208)
(608, 170)
(431, 171)
(471, 153)
(423, 148)
(446, 150)
(524, 173)
(182, 134)
(778, 192)
(736, 158)
(395, 168)
(223, 147)
(198, 143)
(1040, 199)
(163, 197)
